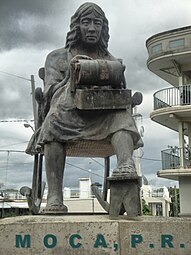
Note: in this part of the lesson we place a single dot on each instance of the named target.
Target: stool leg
(106, 174)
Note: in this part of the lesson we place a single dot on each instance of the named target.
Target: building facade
(169, 57)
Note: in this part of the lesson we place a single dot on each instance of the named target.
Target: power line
(17, 120)
(83, 169)
(20, 77)
(12, 144)
(152, 159)
(8, 151)
(11, 151)
(16, 164)
(97, 162)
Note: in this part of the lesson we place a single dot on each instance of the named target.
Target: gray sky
(31, 29)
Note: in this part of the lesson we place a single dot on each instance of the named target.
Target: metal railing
(171, 158)
(173, 96)
(157, 193)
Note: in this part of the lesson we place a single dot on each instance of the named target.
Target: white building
(158, 200)
(82, 200)
(170, 58)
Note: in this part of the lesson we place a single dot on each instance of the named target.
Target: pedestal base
(94, 235)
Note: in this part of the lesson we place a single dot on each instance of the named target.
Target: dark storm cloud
(31, 23)
(133, 25)
(39, 35)
(15, 99)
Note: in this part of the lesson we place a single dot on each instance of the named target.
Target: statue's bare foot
(55, 207)
(124, 169)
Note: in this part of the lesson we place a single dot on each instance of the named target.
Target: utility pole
(34, 101)
(137, 153)
(175, 202)
(32, 92)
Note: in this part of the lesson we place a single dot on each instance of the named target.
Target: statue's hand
(74, 59)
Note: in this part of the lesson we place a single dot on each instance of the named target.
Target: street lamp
(26, 125)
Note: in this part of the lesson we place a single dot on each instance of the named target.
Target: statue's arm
(56, 75)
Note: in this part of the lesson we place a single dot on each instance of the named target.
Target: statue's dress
(63, 121)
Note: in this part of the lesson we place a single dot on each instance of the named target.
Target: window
(156, 49)
(177, 43)
(159, 209)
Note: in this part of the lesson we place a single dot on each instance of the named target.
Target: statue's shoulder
(57, 55)
(111, 57)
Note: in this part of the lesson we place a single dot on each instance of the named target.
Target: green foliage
(145, 208)
(175, 201)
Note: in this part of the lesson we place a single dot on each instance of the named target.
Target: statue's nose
(91, 26)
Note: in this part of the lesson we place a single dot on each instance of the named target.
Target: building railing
(157, 193)
(171, 158)
(173, 96)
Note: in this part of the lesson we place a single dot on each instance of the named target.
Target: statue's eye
(85, 22)
(98, 23)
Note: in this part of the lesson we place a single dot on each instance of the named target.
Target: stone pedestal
(94, 235)
(183, 175)
(125, 195)
(185, 191)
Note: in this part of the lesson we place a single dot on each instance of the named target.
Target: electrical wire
(11, 151)
(152, 159)
(83, 169)
(97, 162)
(12, 144)
(17, 120)
(80, 168)
(8, 151)
(20, 77)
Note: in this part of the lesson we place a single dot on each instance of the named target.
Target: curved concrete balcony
(174, 174)
(172, 105)
(171, 163)
(170, 54)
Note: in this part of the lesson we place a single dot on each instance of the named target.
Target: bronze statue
(87, 39)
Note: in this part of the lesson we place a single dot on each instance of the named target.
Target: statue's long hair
(74, 36)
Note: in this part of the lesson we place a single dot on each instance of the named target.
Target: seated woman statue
(63, 122)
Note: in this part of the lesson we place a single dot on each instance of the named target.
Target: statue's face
(90, 27)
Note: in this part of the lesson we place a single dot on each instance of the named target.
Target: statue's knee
(122, 135)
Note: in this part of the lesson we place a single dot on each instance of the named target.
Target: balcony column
(180, 83)
(189, 136)
(185, 191)
(180, 80)
(181, 142)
